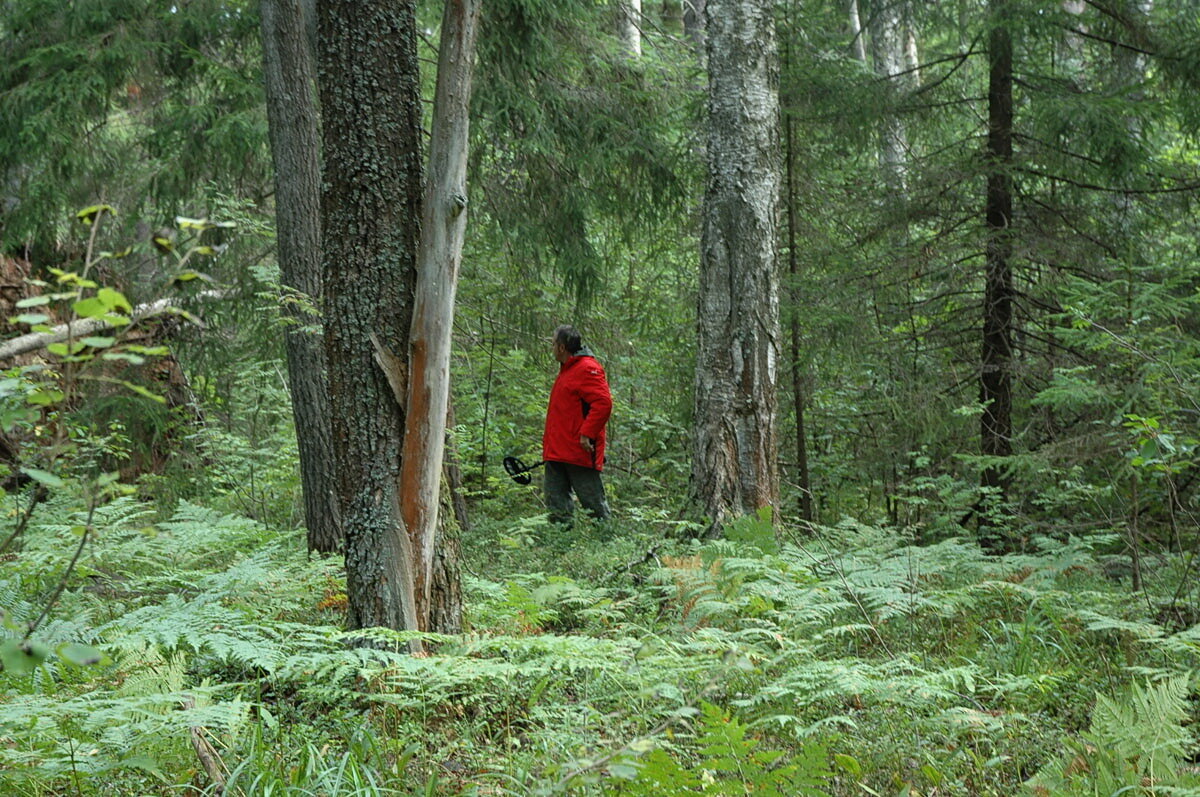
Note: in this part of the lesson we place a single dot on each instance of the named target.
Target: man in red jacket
(573, 443)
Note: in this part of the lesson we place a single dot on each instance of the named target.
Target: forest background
(976, 575)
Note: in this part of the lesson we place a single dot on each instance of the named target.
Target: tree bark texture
(886, 26)
(290, 74)
(803, 482)
(443, 224)
(995, 391)
(370, 211)
(693, 23)
(734, 464)
(629, 26)
(858, 47)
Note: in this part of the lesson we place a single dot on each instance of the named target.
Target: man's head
(567, 342)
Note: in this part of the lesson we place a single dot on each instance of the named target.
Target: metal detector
(519, 471)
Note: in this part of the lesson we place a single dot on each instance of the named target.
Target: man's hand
(587, 444)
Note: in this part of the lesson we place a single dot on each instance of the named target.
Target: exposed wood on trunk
(995, 391)
(734, 465)
(289, 74)
(443, 225)
(370, 210)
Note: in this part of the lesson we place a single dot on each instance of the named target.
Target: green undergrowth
(848, 662)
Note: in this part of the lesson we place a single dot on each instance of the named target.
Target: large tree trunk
(995, 387)
(443, 224)
(858, 47)
(370, 211)
(290, 77)
(734, 464)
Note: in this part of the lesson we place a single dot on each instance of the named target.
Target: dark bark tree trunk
(734, 466)
(290, 75)
(370, 210)
(995, 391)
(806, 504)
(693, 22)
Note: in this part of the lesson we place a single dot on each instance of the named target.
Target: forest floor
(843, 661)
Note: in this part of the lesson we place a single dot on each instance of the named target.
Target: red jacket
(580, 404)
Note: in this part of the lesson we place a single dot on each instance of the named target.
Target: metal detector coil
(519, 471)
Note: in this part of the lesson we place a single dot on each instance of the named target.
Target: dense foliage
(165, 630)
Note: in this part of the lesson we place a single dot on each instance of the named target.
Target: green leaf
(116, 319)
(98, 342)
(185, 223)
(44, 397)
(91, 307)
(152, 351)
(33, 301)
(163, 244)
(22, 657)
(114, 300)
(63, 350)
(132, 359)
(80, 655)
(848, 764)
(44, 477)
(93, 212)
(29, 318)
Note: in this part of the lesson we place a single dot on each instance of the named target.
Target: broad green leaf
(22, 658)
(114, 300)
(29, 318)
(116, 319)
(80, 655)
(124, 356)
(163, 244)
(44, 397)
(93, 212)
(152, 351)
(33, 301)
(91, 307)
(184, 223)
(63, 350)
(44, 477)
(98, 342)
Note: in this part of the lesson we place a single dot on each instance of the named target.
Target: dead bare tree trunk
(443, 225)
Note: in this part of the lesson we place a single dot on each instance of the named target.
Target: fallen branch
(87, 326)
(205, 752)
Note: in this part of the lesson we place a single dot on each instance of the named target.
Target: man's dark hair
(569, 337)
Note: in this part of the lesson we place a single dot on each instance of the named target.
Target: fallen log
(83, 327)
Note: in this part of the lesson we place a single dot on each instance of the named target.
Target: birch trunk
(290, 77)
(858, 47)
(887, 49)
(443, 223)
(370, 207)
(629, 26)
(735, 467)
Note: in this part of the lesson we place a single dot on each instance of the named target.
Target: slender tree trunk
(735, 465)
(629, 26)
(290, 76)
(672, 16)
(789, 155)
(693, 22)
(887, 49)
(443, 224)
(858, 45)
(996, 363)
(370, 210)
